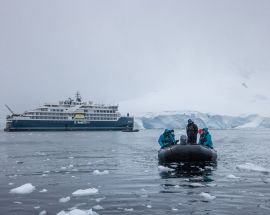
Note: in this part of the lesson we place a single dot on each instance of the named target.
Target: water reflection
(189, 170)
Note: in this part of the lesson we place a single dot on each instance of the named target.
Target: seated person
(183, 139)
(167, 138)
(205, 138)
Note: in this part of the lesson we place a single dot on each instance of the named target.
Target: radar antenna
(78, 97)
(10, 109)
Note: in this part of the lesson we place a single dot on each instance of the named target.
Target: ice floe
(78, 212)
(149, 206)
(207, 196)
(24, 189)
(86, 192)
(164, 169)
(64, 199)
(43, 191)
(98, 207)
(42, 213)
(128, 209)
(100, 199)
(12, 176)
(97, 172)
(252, 167)
(195, 184)
(37, 207)
(231, 176)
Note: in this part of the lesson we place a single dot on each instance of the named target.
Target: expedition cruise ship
(70, 115)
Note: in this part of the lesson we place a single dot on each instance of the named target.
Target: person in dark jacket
(167, 138)
(205, 138)
(192, 131)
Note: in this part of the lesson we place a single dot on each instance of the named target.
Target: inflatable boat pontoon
(186, 153)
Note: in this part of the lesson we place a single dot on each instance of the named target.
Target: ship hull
(70, 125)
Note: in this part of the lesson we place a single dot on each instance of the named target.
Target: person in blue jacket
(167, 138)
(205, 138)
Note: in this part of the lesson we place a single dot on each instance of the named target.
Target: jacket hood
(166, 131)
(205, 129)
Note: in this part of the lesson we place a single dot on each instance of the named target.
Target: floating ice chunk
(196, 185)
(149, 206)
(42, 213)
(209, 167)
(252, 167)
(100, 199)
(177, 186)
(36, 207)
(24, 189)
(64, 199)
(97, 172)
(78, 212)
(211, 185)
(86, 192)
(164, 169)
(231, 176)
(207, 196)
(43, 191)
(98, 207)
(18, 203)
(128, 209)
(174, 209)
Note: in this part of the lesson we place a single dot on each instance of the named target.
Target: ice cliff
(174, 119)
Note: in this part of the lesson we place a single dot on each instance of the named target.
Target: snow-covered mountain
(175, 119)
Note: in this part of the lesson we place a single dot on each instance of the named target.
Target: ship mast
(10, 109)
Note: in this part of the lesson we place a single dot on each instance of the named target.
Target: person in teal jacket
(167, 138)
(205, 138)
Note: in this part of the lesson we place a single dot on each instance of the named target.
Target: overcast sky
(209, 56)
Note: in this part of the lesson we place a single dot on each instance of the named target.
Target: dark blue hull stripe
(46, 125)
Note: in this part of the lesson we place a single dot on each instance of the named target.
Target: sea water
(118, 173)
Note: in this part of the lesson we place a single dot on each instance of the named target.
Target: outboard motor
(183, 140)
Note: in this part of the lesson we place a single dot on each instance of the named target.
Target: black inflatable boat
(186, 153)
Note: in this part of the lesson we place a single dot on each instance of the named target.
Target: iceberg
(178, 119)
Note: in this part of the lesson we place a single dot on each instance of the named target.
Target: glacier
(178, 120)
